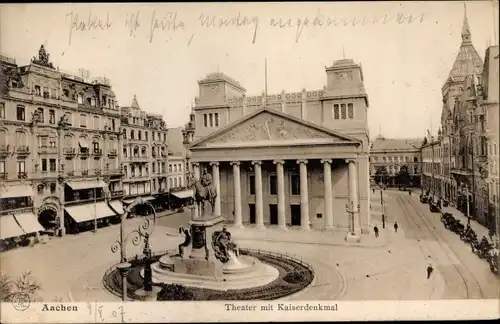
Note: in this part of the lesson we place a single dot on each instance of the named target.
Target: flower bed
(294, 276)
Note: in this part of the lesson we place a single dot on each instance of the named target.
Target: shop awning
(9, 227)
(183, 194)
(78, 185)
(83, 144)
(20, 190)
(117, 205)
(87, 212)
(28, 222)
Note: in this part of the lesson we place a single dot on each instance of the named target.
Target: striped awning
(19, 190)
(29, 223)
(87, 212)
(9, 227)
(78, 185)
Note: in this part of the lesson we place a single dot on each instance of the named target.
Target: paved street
(390, 267)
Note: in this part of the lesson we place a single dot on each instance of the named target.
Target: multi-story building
(176, 172)
(392, 154)
(489, 104)
(59, 141)
(431, 156)
(291, 158)
(144, 153)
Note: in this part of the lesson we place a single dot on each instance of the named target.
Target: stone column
(216, 181)
(304, 196)
(354, 221)
(259, 208)
(281, 193)
(238, 219)
(327, 179)
(195, 214)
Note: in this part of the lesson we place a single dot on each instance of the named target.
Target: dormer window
(79, 99)
(38, 91)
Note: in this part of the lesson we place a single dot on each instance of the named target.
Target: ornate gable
(267, 128)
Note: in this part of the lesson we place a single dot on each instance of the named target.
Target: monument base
(352, 237)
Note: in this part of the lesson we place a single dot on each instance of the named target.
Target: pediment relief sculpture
(267, 127)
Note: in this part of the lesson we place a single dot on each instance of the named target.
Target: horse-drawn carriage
(434, 207)
(423, 199)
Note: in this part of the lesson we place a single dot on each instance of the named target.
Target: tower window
(350, 111)
(343, 111)
(336, 112)
(205, 120)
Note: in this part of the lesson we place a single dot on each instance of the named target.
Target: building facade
(64, 146)
(390, 154)
(144, 152)
(299, 159)
(59, 140)
(176, 172)
(432, 167)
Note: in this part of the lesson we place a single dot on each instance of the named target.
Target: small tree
(25, 283)
(381, 174)
(175, 292)
(403, 177)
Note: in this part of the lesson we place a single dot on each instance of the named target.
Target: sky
(158, 52)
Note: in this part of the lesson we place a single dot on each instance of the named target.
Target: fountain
(208, 257)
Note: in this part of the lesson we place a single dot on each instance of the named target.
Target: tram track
(419, 218)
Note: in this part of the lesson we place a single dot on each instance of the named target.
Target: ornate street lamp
(143, 231)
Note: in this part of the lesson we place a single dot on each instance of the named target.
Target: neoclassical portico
(271, 169)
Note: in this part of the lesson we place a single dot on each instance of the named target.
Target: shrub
(294, 277)
(175, 292)
(25, 283)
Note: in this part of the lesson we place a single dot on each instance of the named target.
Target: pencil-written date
(160, 25)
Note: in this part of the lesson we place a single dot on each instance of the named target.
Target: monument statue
(204, 192)
(224, 248)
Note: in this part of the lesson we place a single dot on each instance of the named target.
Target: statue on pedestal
(204, 192)
(224, 248)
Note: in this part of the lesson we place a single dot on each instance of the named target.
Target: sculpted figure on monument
(186, 242)
(222, 245)
(205, 191)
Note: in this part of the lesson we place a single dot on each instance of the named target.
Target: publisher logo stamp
(21, 301)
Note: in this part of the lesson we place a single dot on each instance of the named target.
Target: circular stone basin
(280, 286)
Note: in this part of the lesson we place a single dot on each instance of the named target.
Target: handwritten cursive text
(92, 23)
(169, 22)
(238, 21)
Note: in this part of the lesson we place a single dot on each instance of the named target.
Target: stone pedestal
(352, 237)
(201, 236)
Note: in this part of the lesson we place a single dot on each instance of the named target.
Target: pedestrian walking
(429, 271)
(396, 227)
(409, 192)
(375, 230)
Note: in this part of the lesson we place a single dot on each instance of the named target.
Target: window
(92, 102)
(251, 182)
(216, 119)
(2, 110)
(80, 98)
(52, 117)
(170, 168)
(164, 137)
(350, 111)
(153, 135)
(205, 120)
(146, 136)
(38, 91)
(295, 184)
(132, 134)
(41, 115)
(53, 93)
(211, 119)
(273, 190)
(175, 167)
(342, 111)
(21, 113)
(21, 166)
(125, 152)
(44, 165)
(139, 135)
(96, 122)
(83, 120)
(113, 124)
(96, 146)
(2, 167)
(336, 112)
(52, 188)
(52, 164)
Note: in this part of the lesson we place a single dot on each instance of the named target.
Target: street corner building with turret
(69, 154)
(460, 164)
(287, 159)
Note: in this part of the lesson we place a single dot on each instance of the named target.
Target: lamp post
(383, 208)
(143, 231)
(468, 205)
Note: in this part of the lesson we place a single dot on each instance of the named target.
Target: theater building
(287, 159)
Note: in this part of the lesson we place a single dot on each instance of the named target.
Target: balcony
(112, 153)
(47, 150)
(69, 152)
(138, 158)
(97, 153)
(23, 150)
(4, 150)
(116, 171)
(22, 175)
(84, 152)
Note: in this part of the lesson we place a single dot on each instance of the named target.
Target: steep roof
(390, 144)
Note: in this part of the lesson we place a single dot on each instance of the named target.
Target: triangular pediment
(266, 127)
